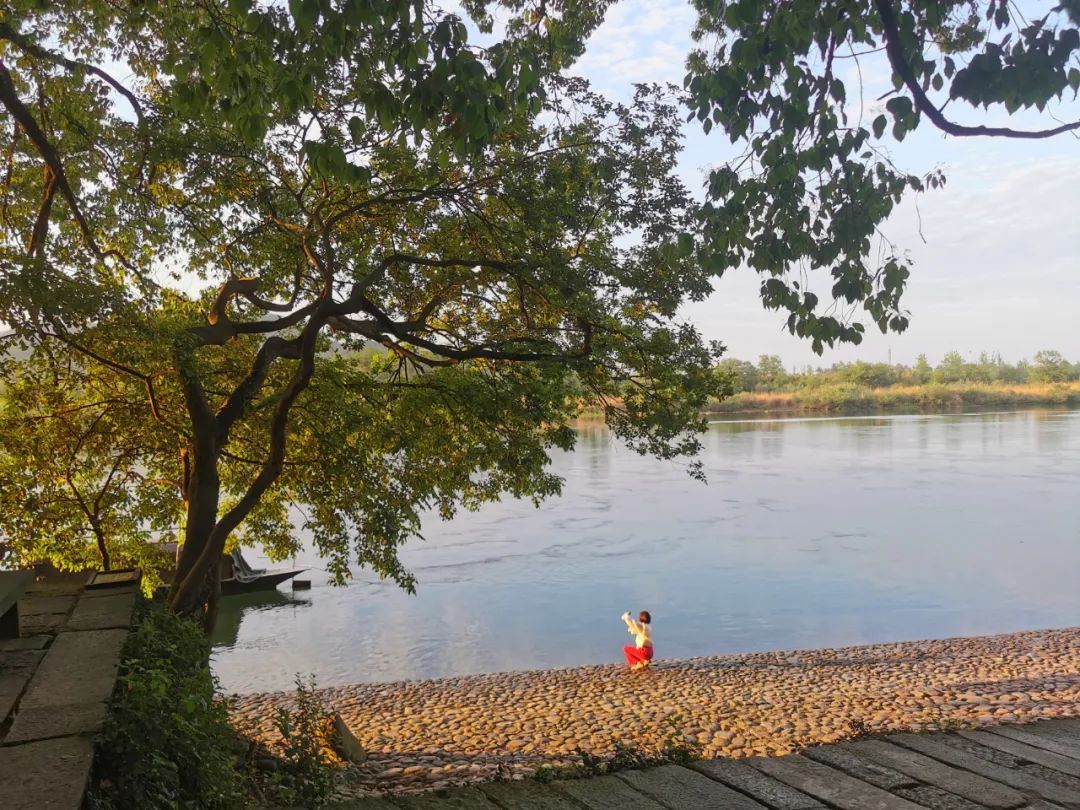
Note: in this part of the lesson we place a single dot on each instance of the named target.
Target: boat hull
(264, 582)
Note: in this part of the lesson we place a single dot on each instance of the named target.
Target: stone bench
(12, 586)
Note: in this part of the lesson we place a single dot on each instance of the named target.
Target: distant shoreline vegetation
(955, 384)
(848, 398)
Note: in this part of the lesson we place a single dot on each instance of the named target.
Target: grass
(930, 398)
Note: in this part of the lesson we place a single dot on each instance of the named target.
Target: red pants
(635, 655)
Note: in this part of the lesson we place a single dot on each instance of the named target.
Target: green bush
(308, 774)
(167, 742)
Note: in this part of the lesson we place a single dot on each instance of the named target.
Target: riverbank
(930, 398)
(424, 735)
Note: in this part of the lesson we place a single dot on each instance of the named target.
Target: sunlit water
(809, 533)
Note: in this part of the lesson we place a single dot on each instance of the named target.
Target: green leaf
(879, 125)
(899, 106)
(356, 129)
(686, 245)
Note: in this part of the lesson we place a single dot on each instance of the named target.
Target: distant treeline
(955, 383)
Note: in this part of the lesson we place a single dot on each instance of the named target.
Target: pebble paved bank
(423, 735)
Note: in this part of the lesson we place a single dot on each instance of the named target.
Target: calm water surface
(809, 533)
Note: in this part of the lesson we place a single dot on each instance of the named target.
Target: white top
(639, 630)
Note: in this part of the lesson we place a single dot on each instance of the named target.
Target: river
(809, 533)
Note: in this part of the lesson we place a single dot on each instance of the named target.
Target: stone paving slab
(606, 793)
(830, 785)
(683, 789)
(102, 613)
(963, 783)
(737, 774)
(49, 775)
(16, 670)
(932, 746)
(36, 605)
(527, 795)
(47, 623)
(45, 722)
(80, 668)
(115, 590)
(1024, 751)
(24, 643)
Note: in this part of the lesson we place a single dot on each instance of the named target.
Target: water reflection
(809, 533)
(234, 609)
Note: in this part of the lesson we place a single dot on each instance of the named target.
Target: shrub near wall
(167, 742)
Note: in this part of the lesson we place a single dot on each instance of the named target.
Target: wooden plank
(606, 793)
(1065, 731)
(1032, 754)
(680, 788)
(1025, 734)
(963, 783)
(934, 798)
(754, 783)
(831, 786)
(468, 798)
(847, 760)
(527, 795)
(933, 747)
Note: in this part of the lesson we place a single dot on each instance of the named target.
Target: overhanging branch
(11, 101)
(895, 49)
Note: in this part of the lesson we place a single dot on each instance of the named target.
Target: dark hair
(645, 617)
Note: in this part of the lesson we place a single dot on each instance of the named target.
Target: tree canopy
(807, 198)
(229, 251)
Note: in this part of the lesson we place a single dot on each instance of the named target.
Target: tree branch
(895, 49)
(10, 99)
(273, 348)
(147, 380)
(10, 34)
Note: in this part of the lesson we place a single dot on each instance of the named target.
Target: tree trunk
(103, 550)
(196, 586)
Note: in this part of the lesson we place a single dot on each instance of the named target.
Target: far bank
(899, 399)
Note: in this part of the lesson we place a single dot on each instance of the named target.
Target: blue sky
(1000, 266)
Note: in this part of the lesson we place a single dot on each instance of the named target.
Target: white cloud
(639, 41)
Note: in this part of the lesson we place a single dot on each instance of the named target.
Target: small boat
(237, 576)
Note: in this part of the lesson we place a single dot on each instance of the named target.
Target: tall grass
(929, 398)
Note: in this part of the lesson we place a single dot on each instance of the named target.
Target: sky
(996, 263)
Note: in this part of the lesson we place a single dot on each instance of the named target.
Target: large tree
(280, 191)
